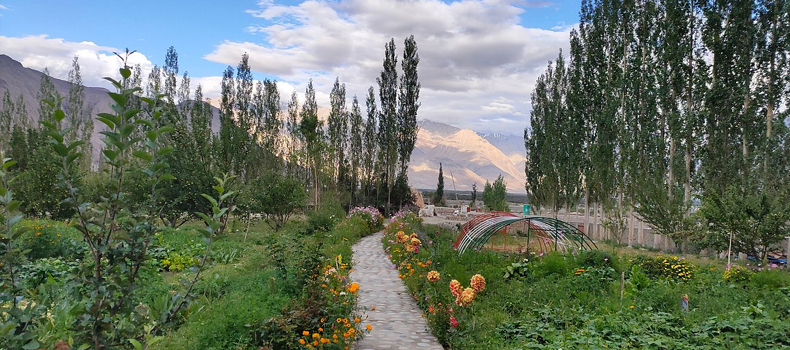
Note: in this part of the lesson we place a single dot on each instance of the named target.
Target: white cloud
(40, 52)
(478, 63)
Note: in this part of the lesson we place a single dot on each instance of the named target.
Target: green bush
(51, 239)
(665, 267)
(320, 222)
(594, 258)
(553, 264)
(771, 279)
(737, 274)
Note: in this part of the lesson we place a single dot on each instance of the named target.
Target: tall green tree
(79, 118)
(408, 105)
(370, 141)
(337, 132)
(356, 150)
(310, 127)
(438, 198)
(495, 195)
(388, 127)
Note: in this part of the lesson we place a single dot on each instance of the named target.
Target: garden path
(396, 320)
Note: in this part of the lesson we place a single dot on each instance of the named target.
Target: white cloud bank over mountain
(478, 62)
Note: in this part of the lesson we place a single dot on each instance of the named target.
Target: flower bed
(488, 300)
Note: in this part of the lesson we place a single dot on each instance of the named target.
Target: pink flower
(453, 322)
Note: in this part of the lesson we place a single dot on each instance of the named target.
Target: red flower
(453, 322)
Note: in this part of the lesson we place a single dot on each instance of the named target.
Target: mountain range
(467, 157)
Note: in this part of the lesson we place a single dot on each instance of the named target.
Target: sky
(479, 59)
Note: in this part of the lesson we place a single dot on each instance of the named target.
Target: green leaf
(164, 151)
(151, 135)
(33, 344)
(125, 72)
(226, 195)
(204, 217)
(114, 82)
(8, 164)
(59, 115)
(143, 155)
(110, 154)
(136, 344)
(13, 205)
(210, 199)
(167, 177)
(108, 119)
(118, 98)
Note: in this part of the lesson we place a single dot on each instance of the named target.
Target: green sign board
(526, 209)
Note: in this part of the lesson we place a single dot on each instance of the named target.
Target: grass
(253, 293)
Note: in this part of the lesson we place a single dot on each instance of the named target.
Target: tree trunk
(587, 210)
(670, 168)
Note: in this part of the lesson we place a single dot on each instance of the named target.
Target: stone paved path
(396, 322)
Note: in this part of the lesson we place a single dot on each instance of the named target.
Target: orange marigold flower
(315, 343)
(478, 283)
(305, 333)
(353, 288)
(369, 327)
(466, 297)
(316, 336)
(356, 319)
(301, 341)
(455, 288)
(433, 276)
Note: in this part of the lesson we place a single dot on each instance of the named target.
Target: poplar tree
(355, 149)
(408, 105)
(337, 130)
(370, 141)
(294, 135)
(225, 147)
(388, 128)
(311, 129)
(438, 198)
(272, 123)
(79, 119)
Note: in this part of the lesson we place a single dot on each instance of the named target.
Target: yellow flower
(455, 288)
(631, 306)
(478, 283)
(433, 276)
(316, 336)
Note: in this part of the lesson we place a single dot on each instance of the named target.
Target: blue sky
(479, 62)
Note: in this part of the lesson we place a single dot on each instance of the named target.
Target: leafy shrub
(371, 216)
(178, 262)
(771, 279)
(320, 222)
(519, 270)
(553, 264)
(42, 269)
(594, 258)
(593, 278)
(665, 267)
(737, 274)
(51, 239)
